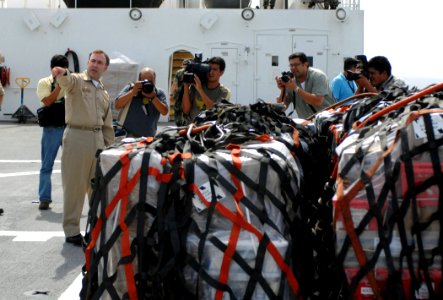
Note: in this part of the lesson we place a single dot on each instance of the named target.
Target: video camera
(286, 76)
(363, 64)
(197, 67)
(147, 86)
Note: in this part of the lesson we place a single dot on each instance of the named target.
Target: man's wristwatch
(152, 98)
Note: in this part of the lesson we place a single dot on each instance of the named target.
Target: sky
(407, 33)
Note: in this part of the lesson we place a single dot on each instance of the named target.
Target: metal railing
(32, 3)
(348, 4)
(351, 4)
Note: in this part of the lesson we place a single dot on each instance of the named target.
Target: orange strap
(416, 114)
(125, 188)
(125, 238)
(362, 95)
(236, 219)
(401, 103)
(183, 156)
(264, 138)
(195, 130)
(395, 106)
(296, 137)
(342, 205)
(236, 229)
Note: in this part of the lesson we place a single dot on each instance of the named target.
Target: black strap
(53, 82)
(141, 219)
(74, 59)
(245, 201)
(294, 96)
(351, 86)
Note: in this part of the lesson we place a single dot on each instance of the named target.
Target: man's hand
(198, 84)
(363, 83)
(58, 71)
(290, 85)
(136, 88)
(280, 83)
(151, 95)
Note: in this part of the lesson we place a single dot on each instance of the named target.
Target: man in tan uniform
(88, 128)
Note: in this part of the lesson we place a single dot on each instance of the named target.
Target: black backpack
(53, 115)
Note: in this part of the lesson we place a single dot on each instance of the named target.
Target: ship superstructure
(255, 42)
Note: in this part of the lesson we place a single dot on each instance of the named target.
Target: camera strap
(293, 104)
(53, 88)
(294, 99)
(351, 86)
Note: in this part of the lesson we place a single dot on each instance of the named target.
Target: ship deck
(35, 261)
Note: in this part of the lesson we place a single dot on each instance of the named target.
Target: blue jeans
(51, 140)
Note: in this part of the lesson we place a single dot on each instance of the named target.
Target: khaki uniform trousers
(78, 168)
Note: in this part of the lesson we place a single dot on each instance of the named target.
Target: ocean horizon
(420, 82)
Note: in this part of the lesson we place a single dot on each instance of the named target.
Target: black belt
(87, 128)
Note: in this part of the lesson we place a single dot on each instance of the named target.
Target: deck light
(247, 14)
(341, 14)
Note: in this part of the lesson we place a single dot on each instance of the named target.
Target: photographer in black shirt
(141, 104)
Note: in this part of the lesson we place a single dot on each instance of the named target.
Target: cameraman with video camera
(202, 89)
(307, 89)
(141, 104)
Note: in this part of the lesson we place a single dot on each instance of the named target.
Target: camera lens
(147, 86)
(286, 76)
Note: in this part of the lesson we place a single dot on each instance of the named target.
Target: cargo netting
(246, 203)
(211, 210)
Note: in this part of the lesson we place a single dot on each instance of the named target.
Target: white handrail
(32, 4)
(351, 4)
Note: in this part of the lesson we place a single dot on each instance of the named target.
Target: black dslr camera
(147, 86)
(286, 76)
(197, 67)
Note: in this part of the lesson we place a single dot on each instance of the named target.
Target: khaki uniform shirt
(87, 105)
